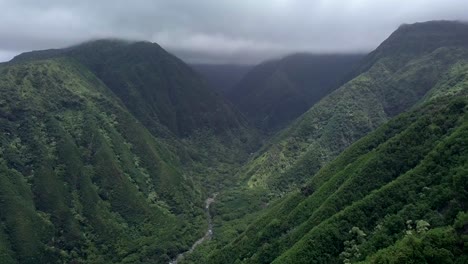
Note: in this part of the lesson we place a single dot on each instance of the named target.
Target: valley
(291, 204)
(118, 151)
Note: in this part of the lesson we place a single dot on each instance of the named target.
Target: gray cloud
(239, 31)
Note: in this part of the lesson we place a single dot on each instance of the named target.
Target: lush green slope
(107, 150)
(158, 88)
(222, 77)
(276, 92)
(81, 179)
(374, 201)
(169, 99)
(394, 83)
(315, 139)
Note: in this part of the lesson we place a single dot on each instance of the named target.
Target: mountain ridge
(109, 57)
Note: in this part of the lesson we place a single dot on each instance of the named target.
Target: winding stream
(207, 235)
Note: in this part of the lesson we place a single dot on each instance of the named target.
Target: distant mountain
(375, 172)
(276, 92)
(222, 77)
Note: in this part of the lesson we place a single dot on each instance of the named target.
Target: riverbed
(207, 236)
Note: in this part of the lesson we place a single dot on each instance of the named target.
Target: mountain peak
(94, 46)
(114, 42)
(416, 39)
(104, 42)
(432, 25)
(426, 36)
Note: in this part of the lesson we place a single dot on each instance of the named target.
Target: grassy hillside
(81, 178)
(390, 86)
(397, 195)
(276, 92)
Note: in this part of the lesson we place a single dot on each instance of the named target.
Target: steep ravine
(207, 235)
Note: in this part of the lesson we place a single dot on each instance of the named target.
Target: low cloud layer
(215, 31)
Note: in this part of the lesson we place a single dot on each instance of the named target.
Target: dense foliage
(107, 151)
(377, 182)
(413, 169)
(157, 87)
(393, 84)
(170, 99)
(82, 179)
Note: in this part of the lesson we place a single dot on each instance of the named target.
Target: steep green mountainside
(390, 86)
(398, 195)
(81, 179)
(171, 100)
(276, 92)
(158, 88)
(222, 77)
(108, 149)
(295, 155)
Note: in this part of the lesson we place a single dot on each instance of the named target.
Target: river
(207, 235)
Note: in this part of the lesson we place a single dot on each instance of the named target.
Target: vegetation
(109, 148)
(391, 85)
(413, 168)
(92, 167)
(81, 179)
(312, 222)
(156, 87)
(171, 100)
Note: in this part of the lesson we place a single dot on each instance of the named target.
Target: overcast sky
(242, 31)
